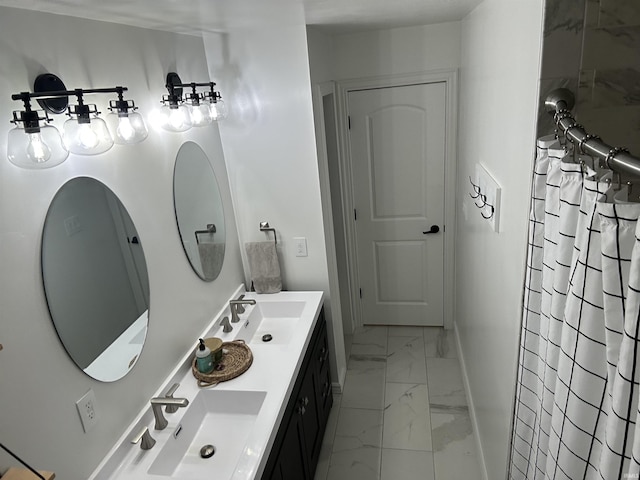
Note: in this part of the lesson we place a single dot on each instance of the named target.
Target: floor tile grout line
(384, 402)
(426, 366)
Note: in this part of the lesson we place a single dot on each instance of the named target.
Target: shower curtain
(579, 366)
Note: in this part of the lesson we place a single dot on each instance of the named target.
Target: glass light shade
(43, 149)
(127, 129)
(200, 115)
(90, 138)
(175, 119)
(219, 110)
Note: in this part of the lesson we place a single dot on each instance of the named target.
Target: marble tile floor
(403, 413)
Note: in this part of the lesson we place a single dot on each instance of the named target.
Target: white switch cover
(301, 246)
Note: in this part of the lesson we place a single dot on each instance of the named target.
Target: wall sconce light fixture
(35, 144)
(195, 109)
(216, 104)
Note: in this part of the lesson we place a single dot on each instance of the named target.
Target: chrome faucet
(234, 304)
(240, 308)
(171, 403)
(169, 394)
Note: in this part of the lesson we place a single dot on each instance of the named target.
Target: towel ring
(264, 227)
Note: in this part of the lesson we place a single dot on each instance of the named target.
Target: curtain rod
(559, 103)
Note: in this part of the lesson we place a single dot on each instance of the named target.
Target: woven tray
(236, 359)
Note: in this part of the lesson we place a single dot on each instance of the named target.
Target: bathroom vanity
(296, 448)
(268, 423)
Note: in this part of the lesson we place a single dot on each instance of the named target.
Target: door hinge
(349, 121)
(360, 293)
(355, 214)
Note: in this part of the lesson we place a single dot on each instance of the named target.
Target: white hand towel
(264, 267)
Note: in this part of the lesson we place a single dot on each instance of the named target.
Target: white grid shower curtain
(579, 369)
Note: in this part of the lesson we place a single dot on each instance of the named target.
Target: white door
(398, 138)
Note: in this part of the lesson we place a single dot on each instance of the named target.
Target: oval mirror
(199, 211)
(95, 279)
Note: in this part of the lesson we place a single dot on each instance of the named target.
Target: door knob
(433, 229)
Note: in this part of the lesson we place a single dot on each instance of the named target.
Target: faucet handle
(240, 307)
(169, 394)
(145, 439)
(226, 325)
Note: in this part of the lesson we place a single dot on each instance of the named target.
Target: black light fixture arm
(25, 96)
(175, 85)
(193, 85)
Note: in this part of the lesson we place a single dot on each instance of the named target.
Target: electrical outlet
(87, 409)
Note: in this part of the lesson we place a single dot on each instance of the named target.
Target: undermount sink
(222, 418)
(273, 318)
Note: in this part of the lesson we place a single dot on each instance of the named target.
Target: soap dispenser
(204, 359)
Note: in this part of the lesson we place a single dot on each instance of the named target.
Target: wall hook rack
(486, 196)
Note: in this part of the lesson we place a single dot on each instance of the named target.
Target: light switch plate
(490, 192)
(301, 246)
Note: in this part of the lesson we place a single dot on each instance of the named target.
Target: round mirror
(95, 279)
(199, 211)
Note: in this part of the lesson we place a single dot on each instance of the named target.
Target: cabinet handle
(327, 389)
(301, 410)
(323, 355)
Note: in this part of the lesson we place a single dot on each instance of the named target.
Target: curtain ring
(612, 153)
(586, 138)
(562, 111)
(575, 125)
(561, 115)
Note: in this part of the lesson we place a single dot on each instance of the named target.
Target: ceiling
(341, 16)
(196, 16)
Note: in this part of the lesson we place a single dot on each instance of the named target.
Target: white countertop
(274, 370)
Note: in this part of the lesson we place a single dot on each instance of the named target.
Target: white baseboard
(336, 387)
(472, 410)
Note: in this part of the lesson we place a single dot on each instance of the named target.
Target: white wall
(39, 384)
(396, 51)
(269, 144)
(498, 103)
(321, 56)
(374, 54)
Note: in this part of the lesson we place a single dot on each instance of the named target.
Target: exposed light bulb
(125, 130)
(87, 138)
(177, 119)
(218, 110)
(90, 138)
(37, 150)
(200, 115)
(196, 116)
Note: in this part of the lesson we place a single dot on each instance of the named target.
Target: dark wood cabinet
(290, 463)
(297, 445)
